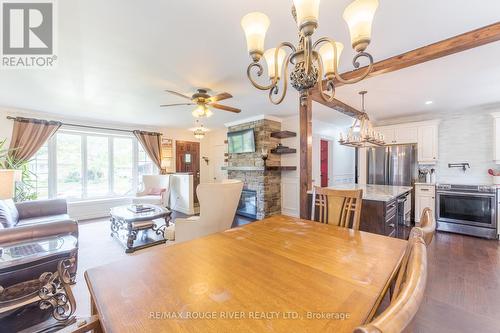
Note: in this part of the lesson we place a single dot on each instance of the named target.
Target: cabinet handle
(424, 189)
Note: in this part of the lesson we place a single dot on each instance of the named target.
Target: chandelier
(199, 131)
(312, 61)
(361, 133)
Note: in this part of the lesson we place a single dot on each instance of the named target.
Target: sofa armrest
(40, 208)
(39, 230)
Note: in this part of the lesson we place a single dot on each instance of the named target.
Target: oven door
(476, 209)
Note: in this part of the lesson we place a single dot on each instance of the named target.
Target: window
(84, 165)
(98, 166)
(39, 168)
(69, 165)
(145, 166)
(123, 164)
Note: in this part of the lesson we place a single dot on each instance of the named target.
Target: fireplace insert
(248, 204)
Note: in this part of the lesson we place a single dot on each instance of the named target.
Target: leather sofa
(31, 220)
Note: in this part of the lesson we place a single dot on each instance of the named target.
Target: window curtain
(29, 135)
(151, 142)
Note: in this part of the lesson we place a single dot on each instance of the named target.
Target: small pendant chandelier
(199, 131)
(361, 133)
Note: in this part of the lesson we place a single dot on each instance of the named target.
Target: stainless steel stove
(467, 209)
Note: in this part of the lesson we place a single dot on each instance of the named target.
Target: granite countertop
(375, 192)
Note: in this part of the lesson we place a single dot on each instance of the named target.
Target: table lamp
(7, 181)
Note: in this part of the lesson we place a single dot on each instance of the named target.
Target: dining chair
(408, 292)
(337, 207)
(427, 227)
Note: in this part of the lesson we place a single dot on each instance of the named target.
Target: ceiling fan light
(327, 56)
(269, 56)
(208, 112)
(255, 26)
(307, 14)
(199, 112)
(359, 17)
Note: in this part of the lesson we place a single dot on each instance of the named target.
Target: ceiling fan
(204, 101)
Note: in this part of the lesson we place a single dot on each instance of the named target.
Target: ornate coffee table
(139, 230)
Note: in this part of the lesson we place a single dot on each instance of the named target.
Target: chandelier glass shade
(312, 62)
(361, 134)
(202, 111)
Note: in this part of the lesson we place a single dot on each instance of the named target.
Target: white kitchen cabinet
(428, 144)
(406, 134)
(496, 137)
(389, 134)
(424, 134)
(425, 196)
(399, 134)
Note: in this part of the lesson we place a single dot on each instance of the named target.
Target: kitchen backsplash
(465, 137)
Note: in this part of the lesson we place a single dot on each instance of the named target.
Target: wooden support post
(305, 115)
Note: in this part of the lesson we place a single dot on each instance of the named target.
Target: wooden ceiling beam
(336, 105)
(466, 41)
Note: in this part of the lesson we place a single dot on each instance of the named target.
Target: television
(241, 141)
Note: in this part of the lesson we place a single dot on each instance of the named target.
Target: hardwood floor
(463, 286)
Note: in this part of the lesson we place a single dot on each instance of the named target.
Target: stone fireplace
(249, 167)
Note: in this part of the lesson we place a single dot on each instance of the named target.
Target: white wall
(340, 162)
(466, 137)
(290, 180)
(341, 159)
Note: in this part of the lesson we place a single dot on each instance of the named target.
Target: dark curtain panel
(151, 142)
(29, 135)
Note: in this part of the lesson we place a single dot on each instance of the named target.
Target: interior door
(324, 163)
(187, 156)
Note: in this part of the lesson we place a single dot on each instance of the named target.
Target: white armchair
(218, 203)
(156, 190)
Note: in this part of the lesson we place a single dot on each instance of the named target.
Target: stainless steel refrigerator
(392, 165)
(395, 165)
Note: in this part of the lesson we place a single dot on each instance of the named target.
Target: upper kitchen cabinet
(428, 144)
(398, 134)
(424, 134)
(496, 137)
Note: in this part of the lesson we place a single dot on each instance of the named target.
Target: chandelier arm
(274, 81)
(275, 89)
(259, 73)
(276, 53)
(330, 87)
(356, 65)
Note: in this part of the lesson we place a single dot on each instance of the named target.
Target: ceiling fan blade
(177, 104)
(178, 94)
(225, 108)
(219, 97)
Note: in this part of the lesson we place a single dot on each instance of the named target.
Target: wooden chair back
(337, 207)
(408, 292)
(427, 225)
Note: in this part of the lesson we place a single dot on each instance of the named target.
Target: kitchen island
(380, 209)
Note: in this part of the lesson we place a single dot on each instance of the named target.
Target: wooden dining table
(281, 274)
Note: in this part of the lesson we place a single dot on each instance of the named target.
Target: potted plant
(24, 189)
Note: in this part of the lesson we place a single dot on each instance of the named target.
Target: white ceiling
(116, 57)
